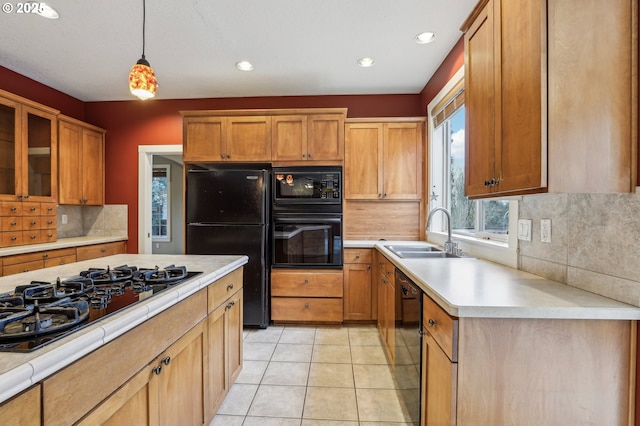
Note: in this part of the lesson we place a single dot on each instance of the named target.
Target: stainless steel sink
(419, 252)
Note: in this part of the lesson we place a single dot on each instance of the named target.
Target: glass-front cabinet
(28, 152)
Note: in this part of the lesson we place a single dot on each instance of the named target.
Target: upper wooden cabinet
(383, 160)
(219, 138)
(28, 150)
(315, 137)
(545, 113)
(81, 162)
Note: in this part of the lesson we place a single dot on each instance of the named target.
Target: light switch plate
(545, 230)
(524, 229)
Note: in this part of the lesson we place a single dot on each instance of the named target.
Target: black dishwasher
(409, 343)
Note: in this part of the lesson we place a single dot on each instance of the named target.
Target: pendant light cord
(144, 16)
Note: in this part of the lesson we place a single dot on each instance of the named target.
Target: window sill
(495, 251)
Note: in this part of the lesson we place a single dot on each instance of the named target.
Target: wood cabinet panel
(358, 292)
(204, 139)
(403, 161)
(222, 289)
(24, 409)
(363, 160)
(100, 250)
(441, 326)
(248, 138)
(306, 309)
(439, 385)
(325, 139)
(308, 283)
(289, 137)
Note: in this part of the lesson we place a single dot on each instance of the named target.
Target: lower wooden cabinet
(23, 409)
(100, 250)
(300, 296)
(359, 294)
(386, 293)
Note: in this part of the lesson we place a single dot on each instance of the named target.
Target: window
(486, 219)
(160, 203)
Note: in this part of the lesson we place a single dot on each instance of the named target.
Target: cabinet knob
(306, 281)
(357, 256)
(309, 155)
(33, 237)
(19, 196)
(49, 222)
(45, 255)
(14, 238)
(14, 223)
(228, 156)
(230, 287)
(306, 306)
(166, 360)
(13, 209)
(230, 305)
(26, 196)
(304, 155)
(157, 370)
(49, 235)
(432, 322)
(33, 222)
(222, 156)
(32, 209)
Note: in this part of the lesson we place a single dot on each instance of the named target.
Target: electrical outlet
(545, 230)
(524, 229)
(64, 219)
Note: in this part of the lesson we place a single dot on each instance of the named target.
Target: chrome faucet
(449, 245)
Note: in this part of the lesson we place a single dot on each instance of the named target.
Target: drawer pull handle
(33, 237)
(50, 209)
(357, 256)
(49, 235)
(45, 255)
(13, 209)
(230, 287)
(50, 222)
(14, 223)
(14, 238)
(306, 281)
(230, 305)
(33, 209)
(166, 360)
(432, 322)
(157, 370)
(306, 306)
(33, 222)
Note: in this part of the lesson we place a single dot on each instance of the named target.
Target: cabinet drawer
(31, 222)
(10, 208)
(22, 267)
(306, 283)
(10, 223)
(306, 309)
(57, 261)
(223, 288)
(359, 255)
(442, 327)
(48, 235)
(99, 250)
(48, 209)
(31, 237)
(10, 239)
(48, 222)
(30, 209)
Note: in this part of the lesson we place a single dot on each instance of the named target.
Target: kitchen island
(132, 339)
(504, 347)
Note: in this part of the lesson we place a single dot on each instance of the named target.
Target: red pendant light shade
(142, 79)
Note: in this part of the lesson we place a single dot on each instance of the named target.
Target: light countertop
(469, 287)
(18, 371)
(61, 243)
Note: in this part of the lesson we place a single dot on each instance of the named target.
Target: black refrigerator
(227, 212)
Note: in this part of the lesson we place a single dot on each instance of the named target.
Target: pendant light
(142, 79)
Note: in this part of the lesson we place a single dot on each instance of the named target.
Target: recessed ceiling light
(45, 10)
(244, 66)
(426, 37)
(366, 62)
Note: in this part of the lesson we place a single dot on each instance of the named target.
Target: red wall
(446, 70)
(38, 92)
(158, 122)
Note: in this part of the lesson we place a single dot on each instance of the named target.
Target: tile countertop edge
(559, 300)
(34, 370)
(60, 244)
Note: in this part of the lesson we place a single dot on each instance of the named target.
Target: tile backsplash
(98, 221)
(594, 246)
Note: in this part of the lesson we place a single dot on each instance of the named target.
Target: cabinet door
(363, 161)
(39, 156)
(133, 403)
(439, 384)
(217, 379)
(325, 137)
(480, 103)
(403, 161)
(93, 168)
(180, 382)
(204, 139)
(24, 409)
(70, 154)
(248, 138)
(289, 134)
(10, 149)
(234, 331)
(357, 292)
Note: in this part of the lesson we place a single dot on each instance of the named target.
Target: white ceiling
(298, 47)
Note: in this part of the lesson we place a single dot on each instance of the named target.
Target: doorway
(171, 157)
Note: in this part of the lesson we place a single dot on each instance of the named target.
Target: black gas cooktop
(39, 312)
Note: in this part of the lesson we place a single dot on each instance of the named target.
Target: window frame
(162, 238)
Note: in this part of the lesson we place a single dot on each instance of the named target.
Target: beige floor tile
(278, 401)
(286, 373)
(301, 335)
(330, 404)
(270, 421)
(373, 376)
(238, 400)
(256, 351)
(224, 420)
(368, 355)
(332, 336)
(364, 337)
(331, 375)
(404, 355)
(381, 405)
(331, 353)
(268, 335)
(292, 352)
(310, 422)
(252, 372)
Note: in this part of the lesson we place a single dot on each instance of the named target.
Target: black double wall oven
(307, 217)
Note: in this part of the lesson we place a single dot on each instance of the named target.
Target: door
(363, 161)
(226, 196)
(289, 133)
(249, 240)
